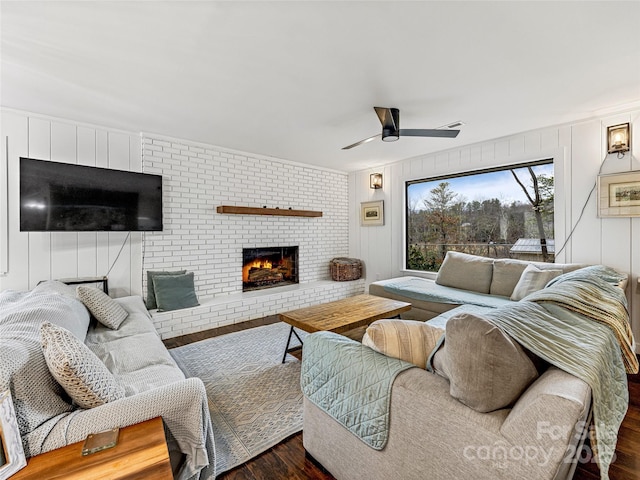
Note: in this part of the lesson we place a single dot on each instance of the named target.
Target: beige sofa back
(487, 275)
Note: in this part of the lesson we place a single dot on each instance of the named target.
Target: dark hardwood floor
(287, 460)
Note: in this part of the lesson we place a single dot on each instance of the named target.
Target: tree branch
(524, 189)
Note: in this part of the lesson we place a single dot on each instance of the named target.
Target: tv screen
(75, 198)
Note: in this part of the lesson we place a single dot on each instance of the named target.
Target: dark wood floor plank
(287, 460)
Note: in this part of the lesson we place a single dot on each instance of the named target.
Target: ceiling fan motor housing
(391, 127)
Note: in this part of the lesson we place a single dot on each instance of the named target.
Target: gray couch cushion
(506, 273)
(134, 353)
(174, 292)
(467, 272)
(151, 293)
(486, 368)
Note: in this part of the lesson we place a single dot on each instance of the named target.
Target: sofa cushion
(134, 354)
(467, 272)
(532, 280)
(487, 369)
(102, 306)
(408, 340)
(506, 273)
(151, 293)
(82, 375)
(175, 291)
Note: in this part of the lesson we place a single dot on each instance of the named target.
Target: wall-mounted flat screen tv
(67, 197)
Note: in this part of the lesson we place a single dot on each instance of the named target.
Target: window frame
(546, 160)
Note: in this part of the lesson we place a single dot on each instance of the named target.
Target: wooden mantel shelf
(283, 212)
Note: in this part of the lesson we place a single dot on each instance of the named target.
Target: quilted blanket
(581, 341)
(351, 383)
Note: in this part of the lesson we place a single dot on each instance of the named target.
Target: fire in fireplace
(269, 267)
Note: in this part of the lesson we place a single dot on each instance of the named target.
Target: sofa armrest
(551, 413)
(182, 405)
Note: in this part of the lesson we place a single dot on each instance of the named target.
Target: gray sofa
(432, 431)
(151, 382)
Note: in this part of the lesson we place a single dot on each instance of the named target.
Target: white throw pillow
(532, 280)
(77, 369)
(106, 310)
(408, 340)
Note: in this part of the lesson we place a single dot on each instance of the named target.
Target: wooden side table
(141, 453)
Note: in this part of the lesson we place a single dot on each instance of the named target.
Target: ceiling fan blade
(361, 142)
(386, 117)
(412, 132)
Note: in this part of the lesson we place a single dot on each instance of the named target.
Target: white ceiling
(297, 80)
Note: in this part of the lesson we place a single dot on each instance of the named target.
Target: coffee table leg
(287, 349)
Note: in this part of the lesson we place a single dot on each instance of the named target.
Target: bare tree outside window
(502, 213)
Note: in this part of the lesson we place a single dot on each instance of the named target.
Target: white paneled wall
(35, 256)
(578, 151)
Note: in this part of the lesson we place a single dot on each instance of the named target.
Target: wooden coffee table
(341, 316)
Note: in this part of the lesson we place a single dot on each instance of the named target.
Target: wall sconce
(618, 138)
(375, 180)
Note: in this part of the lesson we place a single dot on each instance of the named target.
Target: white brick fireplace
(196, 179)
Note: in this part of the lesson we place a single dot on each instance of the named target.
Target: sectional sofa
(481, 405)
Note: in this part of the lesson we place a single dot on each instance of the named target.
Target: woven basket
(344, 269)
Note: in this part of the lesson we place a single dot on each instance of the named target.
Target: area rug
(254, 399)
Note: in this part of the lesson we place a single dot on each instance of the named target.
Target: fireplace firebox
(269, 267)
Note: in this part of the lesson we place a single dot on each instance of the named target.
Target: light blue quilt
(350, 382)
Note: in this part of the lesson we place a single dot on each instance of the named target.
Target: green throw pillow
(151, 295)
(174, 292)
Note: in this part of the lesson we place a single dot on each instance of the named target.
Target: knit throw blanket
(593, 293)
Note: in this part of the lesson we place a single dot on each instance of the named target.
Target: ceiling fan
(391, 131)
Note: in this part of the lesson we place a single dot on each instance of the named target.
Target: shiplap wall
(27, 258)
(578, 150)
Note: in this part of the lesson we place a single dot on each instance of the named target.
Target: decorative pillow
(468, 272)
(151, 295)
(532, 280)
(77, 369)
(486, 368)
(506, 273)
(106, 310)
(175, 291)
(408, 340)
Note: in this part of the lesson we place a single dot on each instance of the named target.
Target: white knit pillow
(532, 280)
(106, 310)
(77, 369)
(408, 340)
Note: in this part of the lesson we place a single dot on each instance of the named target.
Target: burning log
(264, 275)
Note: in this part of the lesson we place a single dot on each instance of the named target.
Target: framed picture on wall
(619, 195)
(12, 456)
(372, 213)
